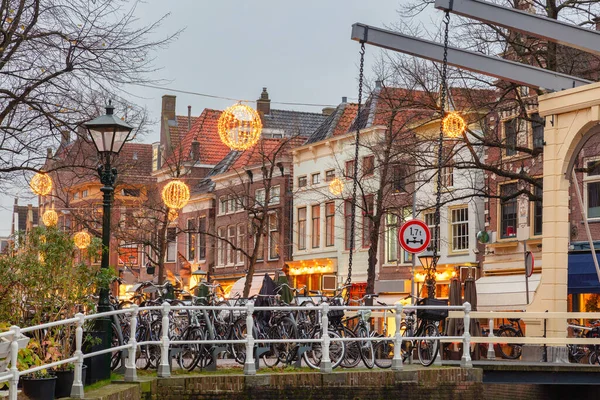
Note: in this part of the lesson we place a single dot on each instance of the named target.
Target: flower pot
(64, 381)
(39, 388)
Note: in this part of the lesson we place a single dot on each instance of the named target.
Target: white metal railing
(77, 358)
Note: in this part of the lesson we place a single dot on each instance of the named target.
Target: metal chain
(438, 198)
(355, 171)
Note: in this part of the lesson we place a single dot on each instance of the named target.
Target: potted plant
(38, 385)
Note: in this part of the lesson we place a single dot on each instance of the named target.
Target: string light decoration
(453, 125)
(41, 184)
(239, 127)
(173, 214)
(82, 240)
(176, 194)
(336, 187)
(50, 218)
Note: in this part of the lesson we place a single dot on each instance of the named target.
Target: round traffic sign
(529, 263)
(414, 236)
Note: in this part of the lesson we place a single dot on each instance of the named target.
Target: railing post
(14, 369)
(164, 369)
(325, 340)
(491, 353)
(465, 361)
(77, 388)
(130, 370)
(397, 360)
(249, 366)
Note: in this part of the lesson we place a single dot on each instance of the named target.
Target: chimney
(49, 153)
(597, 21)
(168, 107)
(378, 84)
(328, 111)
(263, 105)
(189, 118)
(65, 137)
(195, 150)
(344, 99)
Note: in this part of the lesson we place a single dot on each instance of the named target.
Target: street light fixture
(429, 262)
(108, 134)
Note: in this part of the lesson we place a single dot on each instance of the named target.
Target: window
(259, 197)
(274, 193)
(430, 222)
(131, 192)
(349, 169)
(391, 238)
(75, 195)
(448, 168)
(129, 256)
(221, 247)
(316, 225)
(302, 228)
(592, 186)
(315, 178)
(510, 136)
(368, 165)
(399, 178)
(329, 175)
(223, 205)
(260, 251)
(191, 239)
(273, 237)
(302, 181)
(84, 193)
(537, 130)
(537, 209)
(347, 222)
(508, 211)
(329, 224)
(459, 220)
(241, 231)
(367, 221)
(202, 238)
(231, 204)
(231, 254)
(171, 244)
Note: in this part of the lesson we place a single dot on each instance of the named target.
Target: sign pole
(526, 271)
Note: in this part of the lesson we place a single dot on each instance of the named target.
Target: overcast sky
(300, 50)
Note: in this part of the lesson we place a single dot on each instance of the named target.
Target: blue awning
(582, 273)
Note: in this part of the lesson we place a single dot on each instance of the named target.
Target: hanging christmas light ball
(41, 184)
(239, 127)
(176, 194)
(82, 240)
(50, 218)
(173, 214)
(336, 187)
(453, 125)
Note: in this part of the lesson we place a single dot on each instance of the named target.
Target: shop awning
(582, 274)
(505, 293)
(238, 287)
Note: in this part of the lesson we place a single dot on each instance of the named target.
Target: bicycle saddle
(514, 319)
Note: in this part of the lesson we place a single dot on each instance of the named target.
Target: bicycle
(510, 351)
(362, 329)
(417, 325)
(383, 349)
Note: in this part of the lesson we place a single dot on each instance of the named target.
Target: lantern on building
(239, 127)
(50, 218)
(176, 194)
(336, 187)
(453, 125)
(173, 214)
(82, 240)
(41, 184)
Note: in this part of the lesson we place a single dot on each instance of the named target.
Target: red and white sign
(414, 236)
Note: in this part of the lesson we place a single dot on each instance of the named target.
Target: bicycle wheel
(271, 357)
(154, 351)
(427, 349)
(238, 332)
(189, 355)
(313, 356)
(142, 359)
(287, 329)
(593, 358)
(384, 353)
(406, 348)
(509, 350)
(366, 348)
(117, 340)
(352, 354)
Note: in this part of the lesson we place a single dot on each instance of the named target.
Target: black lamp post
(108, 134)
(429, 262)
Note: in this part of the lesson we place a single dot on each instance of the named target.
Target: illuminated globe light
(336, 187)
(176, 194)
(41, 184)
(173, 214)
(239, 127)
(50, 218)
(453, 125)
(82, 240)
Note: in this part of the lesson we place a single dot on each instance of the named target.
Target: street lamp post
(108, 134)
(429, 261)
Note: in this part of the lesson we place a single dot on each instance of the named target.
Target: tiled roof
(179, 128)
(337, 123)
(204, 130)
(293, 123)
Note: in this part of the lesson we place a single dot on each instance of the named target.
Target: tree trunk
(162, 249)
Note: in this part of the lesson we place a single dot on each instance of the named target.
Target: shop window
(316, 225)
(508, 211)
